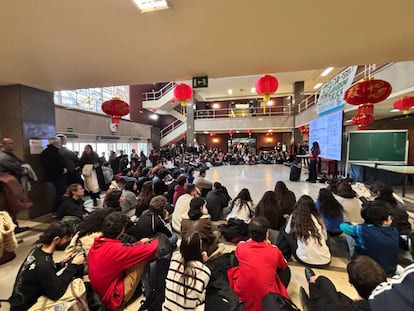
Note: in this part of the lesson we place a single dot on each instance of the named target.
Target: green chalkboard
(378, 146)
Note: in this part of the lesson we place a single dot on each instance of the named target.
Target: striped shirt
(175, 299)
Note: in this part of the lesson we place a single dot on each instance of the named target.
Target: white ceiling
(69, 44)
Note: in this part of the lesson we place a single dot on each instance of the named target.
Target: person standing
(92, 172)
(12, 165)
(314, 157)
(71, 162)
(55, 169)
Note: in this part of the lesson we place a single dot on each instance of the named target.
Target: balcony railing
(362, 72)
(243, 113)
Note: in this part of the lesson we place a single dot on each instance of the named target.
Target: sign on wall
(199, 82)
(332, 92)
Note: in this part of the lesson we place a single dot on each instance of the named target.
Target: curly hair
(302, 224)
(329, 206)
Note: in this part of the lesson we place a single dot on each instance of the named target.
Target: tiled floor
(258, 179)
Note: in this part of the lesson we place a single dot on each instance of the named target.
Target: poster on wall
(332, 92)
(37, 145)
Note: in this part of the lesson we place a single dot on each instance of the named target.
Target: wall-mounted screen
(327, 131)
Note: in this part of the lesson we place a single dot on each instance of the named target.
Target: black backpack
(277, 302)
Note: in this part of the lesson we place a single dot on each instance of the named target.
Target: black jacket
(53, 163)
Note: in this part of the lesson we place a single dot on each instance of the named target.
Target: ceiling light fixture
(253, 90)
(151, 5)
(205, 132)
(317, 86)
(395, 110)
(230, 91)
(327, 71)
(154, 116)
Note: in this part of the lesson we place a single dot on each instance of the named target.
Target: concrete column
(29, 113)
(298, 96)
(190, 122)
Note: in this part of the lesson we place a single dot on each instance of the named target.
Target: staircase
(162, 101)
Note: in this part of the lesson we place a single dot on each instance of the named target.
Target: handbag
(74, 299)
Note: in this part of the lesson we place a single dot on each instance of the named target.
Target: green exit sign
(199, 82)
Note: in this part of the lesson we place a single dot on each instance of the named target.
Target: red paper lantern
(368, 91)
(266, 86)
(301, 128)
(154, 110)
(364, 116)
(183, 93)
(404, 104)
(116, 108)
(185, 134)
(231, 132)
(212, 134)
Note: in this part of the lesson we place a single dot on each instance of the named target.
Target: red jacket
(255, 276)
(108, 260)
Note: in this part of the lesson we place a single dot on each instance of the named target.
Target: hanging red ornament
(266, 86)
(154, 110)
(368, 90)
(404, 104)
(231, 132)
(183, 93)
(116, 108)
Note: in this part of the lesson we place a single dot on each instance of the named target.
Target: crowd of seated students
(122, 238)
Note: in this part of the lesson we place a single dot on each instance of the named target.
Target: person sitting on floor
(40, 278)
(375, 238)
(308, 244)
(187, 278)
(196, 220)
(242, 207)
(115, 269)
(363, 273)
(346, 196)
(72, 209)
(396, 295)
(330, 210)
(182, 206)
(262, 268)
(217, 201)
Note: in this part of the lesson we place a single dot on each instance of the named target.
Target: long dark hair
(280, 190)
(58, 229)
(302, 224)
(268, 207)
(243, 197)
(329, 206)
(144, 197)
(112, 199)
(344, 189)
(190, 249)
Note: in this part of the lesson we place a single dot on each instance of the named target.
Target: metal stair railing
(155, 95)
(170, 127)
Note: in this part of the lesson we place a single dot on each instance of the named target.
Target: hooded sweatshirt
(108, 260)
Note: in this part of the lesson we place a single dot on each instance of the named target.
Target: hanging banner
(332, 92)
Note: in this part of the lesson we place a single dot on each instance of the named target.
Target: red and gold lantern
(366, 93)
(183, 93)
(231, 133)
(154, 110)
(116, 108)
(404, 104)
(266, 86)
(250, 133)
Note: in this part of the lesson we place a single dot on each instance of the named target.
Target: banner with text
(332, 92)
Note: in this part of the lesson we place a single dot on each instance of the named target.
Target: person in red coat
(115, 269)
(258, 269)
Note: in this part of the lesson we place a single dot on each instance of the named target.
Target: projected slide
(327, 131)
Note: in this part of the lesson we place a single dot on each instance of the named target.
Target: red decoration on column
(404, 104)
(116, 108)
(183, 93)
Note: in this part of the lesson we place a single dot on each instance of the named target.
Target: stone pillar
(190, 122)
(29, 113)
(298, 96)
